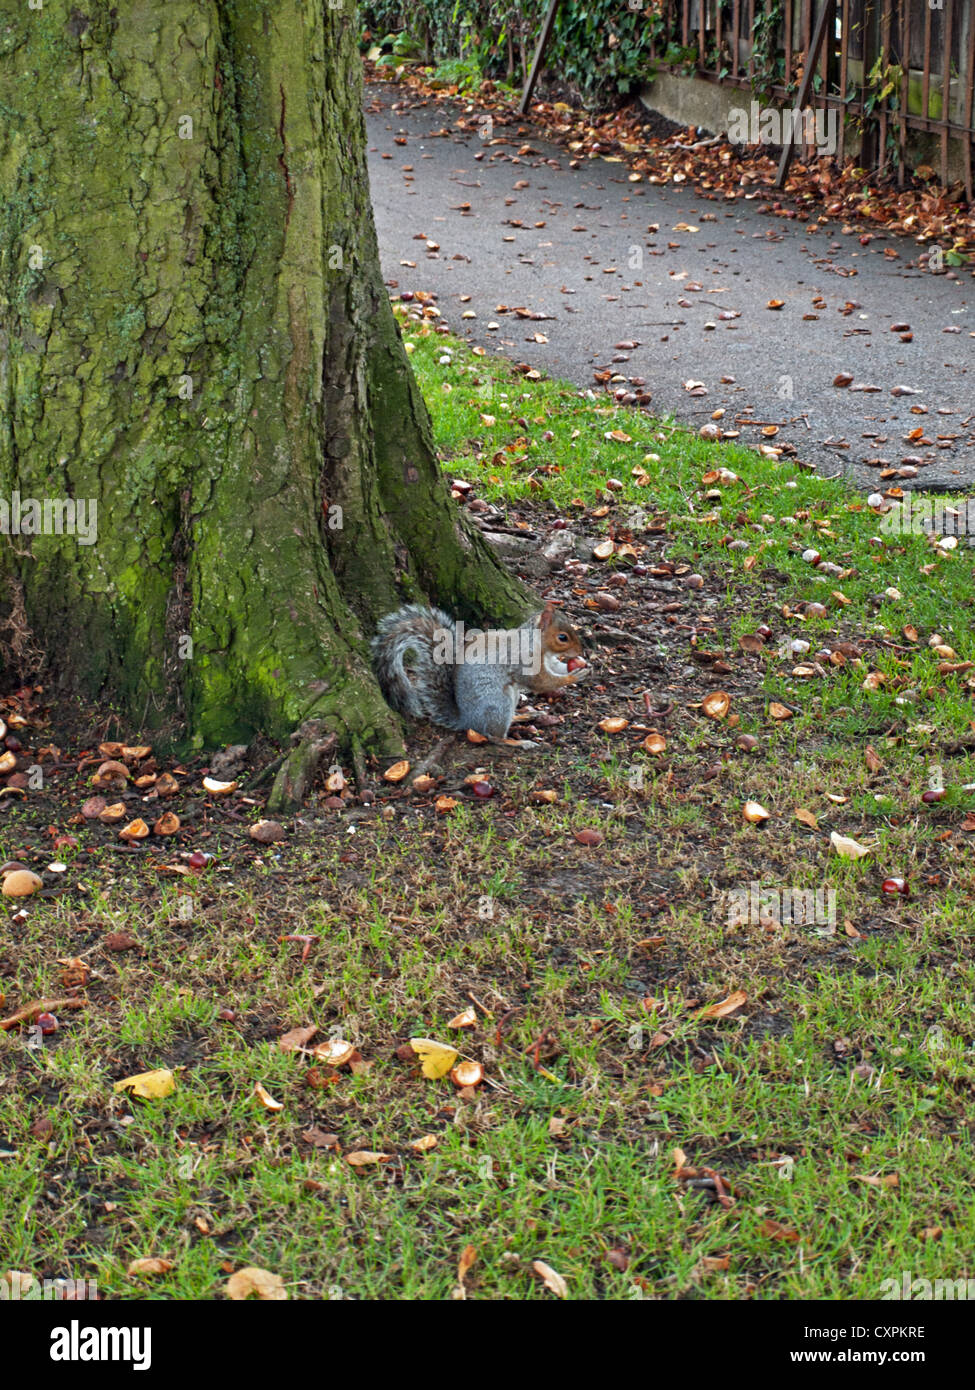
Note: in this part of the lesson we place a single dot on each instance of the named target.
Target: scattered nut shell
(218, 788)
(135, 830)
(467, 1074)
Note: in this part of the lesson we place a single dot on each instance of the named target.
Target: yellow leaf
(252, 1282)
(361, 1158)
(151, 1085)
(807, 818)
(436, 1058)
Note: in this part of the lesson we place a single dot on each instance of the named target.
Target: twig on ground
(39, 1006)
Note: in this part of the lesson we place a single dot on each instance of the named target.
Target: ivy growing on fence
(599, 50)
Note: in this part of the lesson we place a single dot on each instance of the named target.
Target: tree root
(298, 770)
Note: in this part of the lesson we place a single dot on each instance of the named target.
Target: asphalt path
(686, 283)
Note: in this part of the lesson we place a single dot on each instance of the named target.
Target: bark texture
(194, 332)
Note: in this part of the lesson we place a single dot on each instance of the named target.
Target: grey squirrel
(472, 680)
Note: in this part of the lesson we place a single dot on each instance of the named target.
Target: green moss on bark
(195, 334)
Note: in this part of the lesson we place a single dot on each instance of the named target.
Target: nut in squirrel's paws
(577, 668)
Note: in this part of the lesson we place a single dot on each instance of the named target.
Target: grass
(811, 1143)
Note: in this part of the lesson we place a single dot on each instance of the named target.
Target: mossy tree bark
(194, 332)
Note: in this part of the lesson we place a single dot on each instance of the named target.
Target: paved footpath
(613, 262)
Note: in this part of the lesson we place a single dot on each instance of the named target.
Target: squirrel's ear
(545, 617)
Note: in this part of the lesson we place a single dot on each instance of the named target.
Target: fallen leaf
(297, 1038)
(550, 1278)
(847, 848)
(468, 1256)
(151, 1085)
(726, 1006)
(320, 1138)
(776, 1231)
(436, 1058)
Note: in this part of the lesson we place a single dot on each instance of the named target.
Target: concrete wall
(695, 101)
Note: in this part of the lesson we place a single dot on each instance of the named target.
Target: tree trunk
(195, 334)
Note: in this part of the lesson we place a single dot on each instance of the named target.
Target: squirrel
(472, 680)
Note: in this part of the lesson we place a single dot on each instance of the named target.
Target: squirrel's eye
(563, 637)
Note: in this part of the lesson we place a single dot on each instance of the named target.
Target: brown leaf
(726, 1006)
(776, 1231)
(297, 1038)
(468, 1256)
(319, 1138)
(874, 761)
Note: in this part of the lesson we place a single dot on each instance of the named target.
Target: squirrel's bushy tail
(426, 690)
